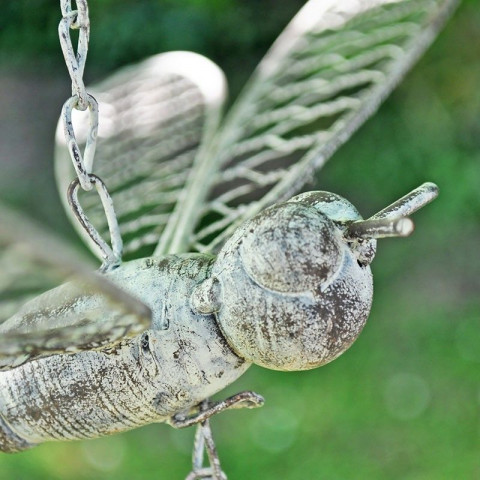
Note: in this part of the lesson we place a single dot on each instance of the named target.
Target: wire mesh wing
(89, 312)
(153, 117)
(325, 75)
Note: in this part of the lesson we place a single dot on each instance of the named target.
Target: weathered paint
(291, 290)
(288, 288)
(144, 380)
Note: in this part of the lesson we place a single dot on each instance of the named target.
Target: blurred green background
(404, 401)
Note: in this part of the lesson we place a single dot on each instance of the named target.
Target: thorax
(180, 361)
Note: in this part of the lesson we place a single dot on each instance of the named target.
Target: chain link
(110, 256)
(75, 20)
(83, 162)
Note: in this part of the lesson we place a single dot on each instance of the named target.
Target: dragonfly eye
(339, 210)
(292, 248)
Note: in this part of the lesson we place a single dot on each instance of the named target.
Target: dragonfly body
(211, 318)
(290, 290)
(142, 380)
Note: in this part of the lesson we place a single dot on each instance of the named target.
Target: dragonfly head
(289, 290)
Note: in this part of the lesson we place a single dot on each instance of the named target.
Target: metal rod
(410, 203)
(380, 228)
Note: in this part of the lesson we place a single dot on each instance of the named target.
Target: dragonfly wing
(326, 74)
(15, 286)
(87, 313)
(153, 118)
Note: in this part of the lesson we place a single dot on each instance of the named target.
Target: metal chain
(75, 20)
(110, 256)
(83, 162)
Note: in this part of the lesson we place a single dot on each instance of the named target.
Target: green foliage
(126, 31)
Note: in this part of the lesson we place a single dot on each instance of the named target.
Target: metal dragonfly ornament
(271, 278)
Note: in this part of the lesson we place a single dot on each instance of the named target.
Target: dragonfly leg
(200, 416)
(206, 409)
(204, 442)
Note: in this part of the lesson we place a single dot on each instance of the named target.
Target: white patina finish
(147, 379)
(288, 291)
(291, 287)
(292, 295)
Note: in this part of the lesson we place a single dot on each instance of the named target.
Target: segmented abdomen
(76, 396)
